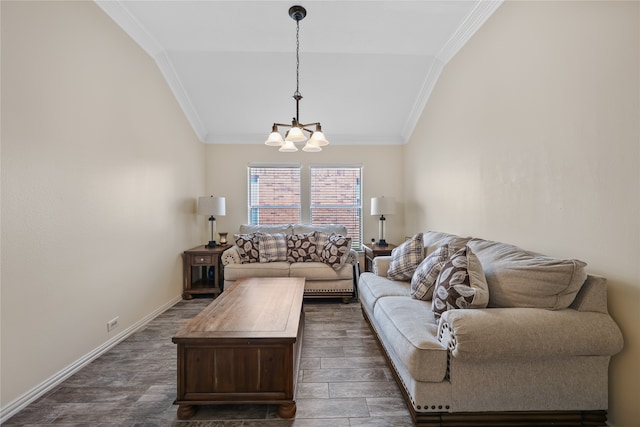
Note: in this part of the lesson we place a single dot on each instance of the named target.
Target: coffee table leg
(186, 411)
(287, 410)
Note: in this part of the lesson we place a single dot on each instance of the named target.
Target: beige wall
(532, 137)
(381, 176)
(100, 171)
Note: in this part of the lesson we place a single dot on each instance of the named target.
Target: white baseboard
(21, 402)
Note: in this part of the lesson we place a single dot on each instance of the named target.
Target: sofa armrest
(231, 256)
(380, 265)
(352, 258)
(528, 333)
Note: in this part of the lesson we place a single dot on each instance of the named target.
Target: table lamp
(211, 206)
(381, 206)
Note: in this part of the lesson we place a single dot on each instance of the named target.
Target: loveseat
(478, 332)
(321, 254)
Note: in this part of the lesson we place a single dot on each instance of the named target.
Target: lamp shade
(275, 139)
(383, 206)
(288, 147)
(211, 205)
(295, 134)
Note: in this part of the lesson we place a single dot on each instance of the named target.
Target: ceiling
(367, 68)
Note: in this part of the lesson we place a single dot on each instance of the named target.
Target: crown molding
(118, 11)
(422, 98)
(121, 15)
(470, 24)
(168, 71)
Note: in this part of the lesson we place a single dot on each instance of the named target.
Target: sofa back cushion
(519, 278)
(268, 229)
(434, 239)
(328, 229)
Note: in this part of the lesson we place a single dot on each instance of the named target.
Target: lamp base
(212, 244)
(382, 242)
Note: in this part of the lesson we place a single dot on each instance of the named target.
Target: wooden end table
(244, 347)
(196, 268)
(372, 250)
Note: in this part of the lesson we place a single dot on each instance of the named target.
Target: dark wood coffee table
(243, 348)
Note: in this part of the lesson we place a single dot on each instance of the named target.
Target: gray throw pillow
(406, 258)
(424, 278)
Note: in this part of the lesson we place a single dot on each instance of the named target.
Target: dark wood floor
(344, 380)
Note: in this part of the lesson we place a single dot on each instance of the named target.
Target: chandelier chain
(297, 57)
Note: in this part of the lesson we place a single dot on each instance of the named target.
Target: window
(336, 198)
(274, 194)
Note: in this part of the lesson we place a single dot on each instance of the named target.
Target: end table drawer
(201, 259)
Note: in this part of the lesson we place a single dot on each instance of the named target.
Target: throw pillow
(406, 258)
(248, 247)
(272, 247)
(425, 276)
(321, 239)
(301, 247)
(336, 250)
(461, 284)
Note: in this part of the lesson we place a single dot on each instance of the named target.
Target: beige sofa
(322, 281)
(537, 355)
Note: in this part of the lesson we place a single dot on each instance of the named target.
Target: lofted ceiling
(367, 68)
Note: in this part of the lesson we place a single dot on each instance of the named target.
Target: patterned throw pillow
(248, 247)
(336, 250)
(461, 284)
(272, 247)
(406, 258)
(321, 239)
(301, 247)
(424, 278)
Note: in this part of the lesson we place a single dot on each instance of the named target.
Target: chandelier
(296, 132)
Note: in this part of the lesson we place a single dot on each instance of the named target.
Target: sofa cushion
(336, 250)
(320, 271)
(406, 258)
(461, 284)
(269, 229)
(272, 247)
(248, 247)
(270, 269)
(328, 229)
(434, 239)
(519, 278)
(408, 329)
(424, 278)
(301, 247)
(372, 287)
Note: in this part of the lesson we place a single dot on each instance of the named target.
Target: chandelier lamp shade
(382, 206)
(212, 206)
(296, 130)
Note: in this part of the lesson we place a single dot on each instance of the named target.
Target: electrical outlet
(112, 324)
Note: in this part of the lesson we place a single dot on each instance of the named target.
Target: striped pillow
(272, 247)
(406, 258)
(424, 278)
